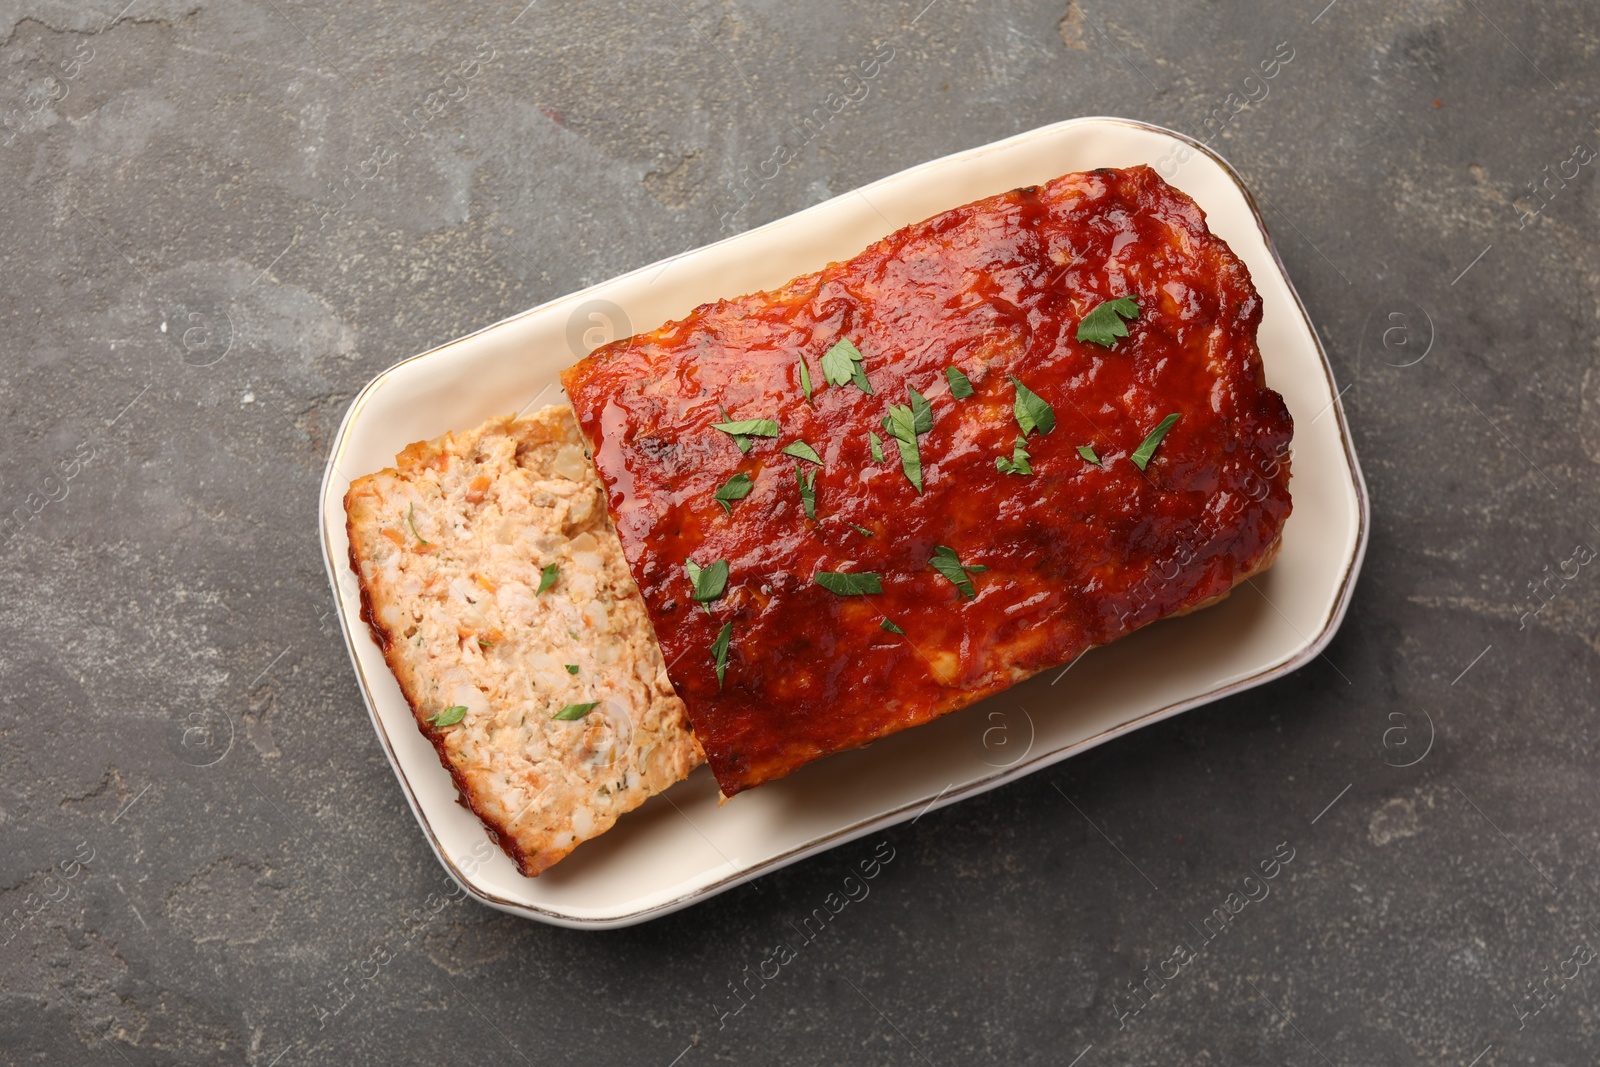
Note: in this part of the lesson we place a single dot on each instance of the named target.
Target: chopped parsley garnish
(411, 520)
(547, 577)
(449, 716)
(960, 387)
(875, 443)
(742, 440)
(1018, 463)
(575, 711)
(736, 488)
(805, 378)
(947, 563)
(901, 425)
(1141, 457)
(850, 583)
(841, 364)
(572, 668)
(920, 410)
(891, 627)
(719, 651)
(808, 490)
(709, 582)
(862, 530)
(1088, 453)
(1104, 324)
(1032, 412)
(904, 423)
(801, 450)
(744, 429)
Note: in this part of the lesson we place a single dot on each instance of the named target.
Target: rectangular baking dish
(681, 847)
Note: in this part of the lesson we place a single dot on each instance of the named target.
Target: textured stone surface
(223, 218)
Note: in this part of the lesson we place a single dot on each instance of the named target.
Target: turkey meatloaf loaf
(1017, 430)
(493, 580)
(994, 439)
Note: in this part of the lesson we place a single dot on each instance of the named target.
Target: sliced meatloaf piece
(493, 580)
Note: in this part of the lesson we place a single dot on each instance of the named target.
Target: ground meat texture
(450, 546)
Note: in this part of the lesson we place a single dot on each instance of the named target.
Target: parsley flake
(947, 563)
(904, 423)
(547, 577)
(742, 440)
(1088, 453)
(411, 519)
(921, 411)
(850, 583)
(891, 627)
(748, 428)
(709, 582)
(841, 365)
(875, 443)
(859, 377)
(901, 426)
(1031, 411)
(449, 716)
(1018, 463)
(573, 712)
(801, 450)
(719, 651)
(1141, 457)
(736, 488)
(1103, 325)
(572, 668)
(805, 379)
(960, 387)
(808, 490)
(862, 530)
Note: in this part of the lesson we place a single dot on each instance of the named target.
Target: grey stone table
(221, 219)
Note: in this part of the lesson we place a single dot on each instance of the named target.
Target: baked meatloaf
(996, 438)
(492, 578)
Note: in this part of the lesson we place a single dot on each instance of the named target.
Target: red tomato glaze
(1077, 553)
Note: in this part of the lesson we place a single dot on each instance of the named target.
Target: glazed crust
(1078, 553)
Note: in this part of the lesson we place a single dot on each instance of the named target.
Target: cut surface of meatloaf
(452, 546)
(977, 490)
